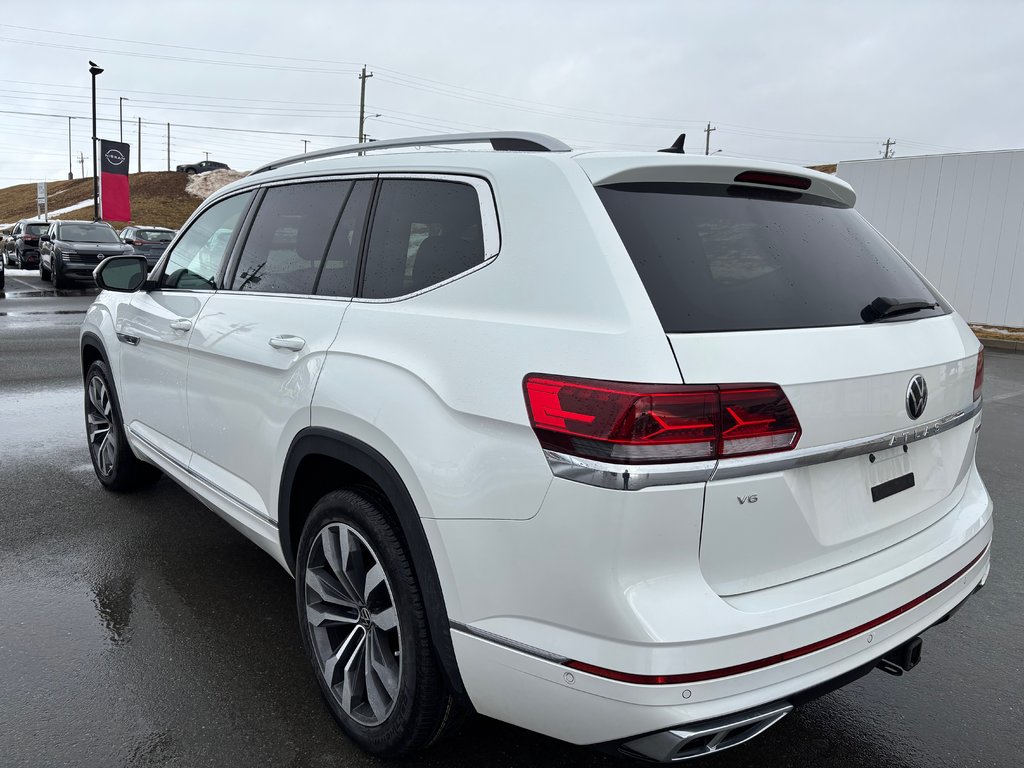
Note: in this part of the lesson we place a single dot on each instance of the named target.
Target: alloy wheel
(99, 424)
(353, 623)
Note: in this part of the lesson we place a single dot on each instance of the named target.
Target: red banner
(115, 202)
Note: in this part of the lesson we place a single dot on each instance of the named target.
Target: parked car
(150, 242)
(203, 167)
(72, 249)
(21, 250)
(630, 449)
(3, 275)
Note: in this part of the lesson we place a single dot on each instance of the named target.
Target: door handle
(294, 343)
(181, 324)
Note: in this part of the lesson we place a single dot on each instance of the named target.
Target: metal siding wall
(959, 219)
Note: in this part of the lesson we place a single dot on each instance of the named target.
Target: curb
(1006, 345)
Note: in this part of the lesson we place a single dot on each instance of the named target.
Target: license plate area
(890, 472)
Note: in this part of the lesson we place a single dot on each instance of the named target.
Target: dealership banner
(114, 202)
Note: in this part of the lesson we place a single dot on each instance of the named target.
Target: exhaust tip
(707, 737)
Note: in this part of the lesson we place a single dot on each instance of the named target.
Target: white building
(959, 219)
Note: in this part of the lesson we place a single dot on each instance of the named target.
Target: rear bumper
(515, 670)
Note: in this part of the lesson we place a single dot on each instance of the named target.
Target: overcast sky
(805, 82)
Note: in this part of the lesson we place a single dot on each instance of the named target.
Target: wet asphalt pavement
(141, 630)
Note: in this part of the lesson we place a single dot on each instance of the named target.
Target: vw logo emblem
(917, 396)
(114, 156)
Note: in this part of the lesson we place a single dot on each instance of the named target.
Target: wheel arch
(316, 444)
(92, 349)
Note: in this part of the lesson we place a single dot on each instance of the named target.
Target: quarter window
(424, 231)
(198, 256)
(288, 238)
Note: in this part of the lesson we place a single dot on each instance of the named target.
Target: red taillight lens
(644, 423)
(757, 420)
(979, 373)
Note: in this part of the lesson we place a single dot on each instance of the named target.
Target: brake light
(979, 373)
(646, 423)
(774, 179)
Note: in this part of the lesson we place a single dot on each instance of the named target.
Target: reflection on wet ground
(140, 630)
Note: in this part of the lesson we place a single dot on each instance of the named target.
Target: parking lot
(142, 630)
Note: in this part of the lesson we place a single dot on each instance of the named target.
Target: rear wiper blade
(885, 306)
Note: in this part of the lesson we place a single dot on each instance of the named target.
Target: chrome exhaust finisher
(705, 738)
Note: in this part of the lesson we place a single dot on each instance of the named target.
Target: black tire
(124, 471)
(44, 274)
(3, 279)
(20, 263)
(423, 709)
(59, 281)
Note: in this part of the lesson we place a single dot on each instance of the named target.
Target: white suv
(638, 450)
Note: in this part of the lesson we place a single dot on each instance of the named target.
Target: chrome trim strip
(623, 477)
(204, 480)
(805, 457)
(635, 477)
(515, 645)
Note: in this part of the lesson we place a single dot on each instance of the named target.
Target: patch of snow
(203, 185)
(70, 208)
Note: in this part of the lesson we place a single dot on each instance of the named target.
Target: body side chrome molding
(204, 480)
(635, 477)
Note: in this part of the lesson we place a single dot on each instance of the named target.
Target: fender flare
(93, 340)
(370, 462)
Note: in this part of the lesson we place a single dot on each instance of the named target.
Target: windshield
(86, 233)
(732, 258)
(36, 229)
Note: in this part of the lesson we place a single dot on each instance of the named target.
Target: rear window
(36, 229)
(154, 235)
(732, 258)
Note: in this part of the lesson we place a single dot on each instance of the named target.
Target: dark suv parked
(21, 250)
(150, 242)
(72, 249)
(203, 167)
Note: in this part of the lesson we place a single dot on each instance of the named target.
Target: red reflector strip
(774, 179)
(778, 658)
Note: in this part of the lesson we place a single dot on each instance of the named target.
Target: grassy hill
(158, 199)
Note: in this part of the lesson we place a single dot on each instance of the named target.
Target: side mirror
(124, 274)
(44, 238)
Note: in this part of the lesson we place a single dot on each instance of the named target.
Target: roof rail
(501, 141)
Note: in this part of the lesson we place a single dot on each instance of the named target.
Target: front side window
(424, 231)
(288, 238)
(198, 256)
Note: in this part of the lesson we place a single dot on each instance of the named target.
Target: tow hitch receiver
(902, 658)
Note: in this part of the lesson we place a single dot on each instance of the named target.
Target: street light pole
(94, 70)
(120, 115)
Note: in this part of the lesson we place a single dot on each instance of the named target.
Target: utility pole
(140, 145)
(362, 102)
(305, 143)
(71, 174)
(707, 139)
(81, 161)
(207, 155)
(168, 146)
(120, 116)
(889, 143)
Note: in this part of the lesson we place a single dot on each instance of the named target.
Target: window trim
(490, 229)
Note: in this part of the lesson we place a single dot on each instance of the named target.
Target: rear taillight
(645, 423)
(979, 373)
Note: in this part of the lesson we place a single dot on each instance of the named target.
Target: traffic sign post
(41, 206)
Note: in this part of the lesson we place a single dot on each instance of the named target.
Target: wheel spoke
(384, 664)
(344, 655)
(319, 615)
(386, 619)
(107, 453)
(336, 555)
(97, 427)
(329, 589)
(375, 694)
(374, 578)
(353, 686)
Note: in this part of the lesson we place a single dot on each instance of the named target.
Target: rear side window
(424, 231)
(288, 238)
(732, 258)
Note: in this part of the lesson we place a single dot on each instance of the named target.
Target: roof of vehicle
(147, 226)
(31, 221)
(602, 167)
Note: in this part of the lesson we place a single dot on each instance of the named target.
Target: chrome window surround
(634, 477)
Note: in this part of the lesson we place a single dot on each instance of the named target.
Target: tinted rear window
(731, 258)
(36, 229)
(154, 235)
